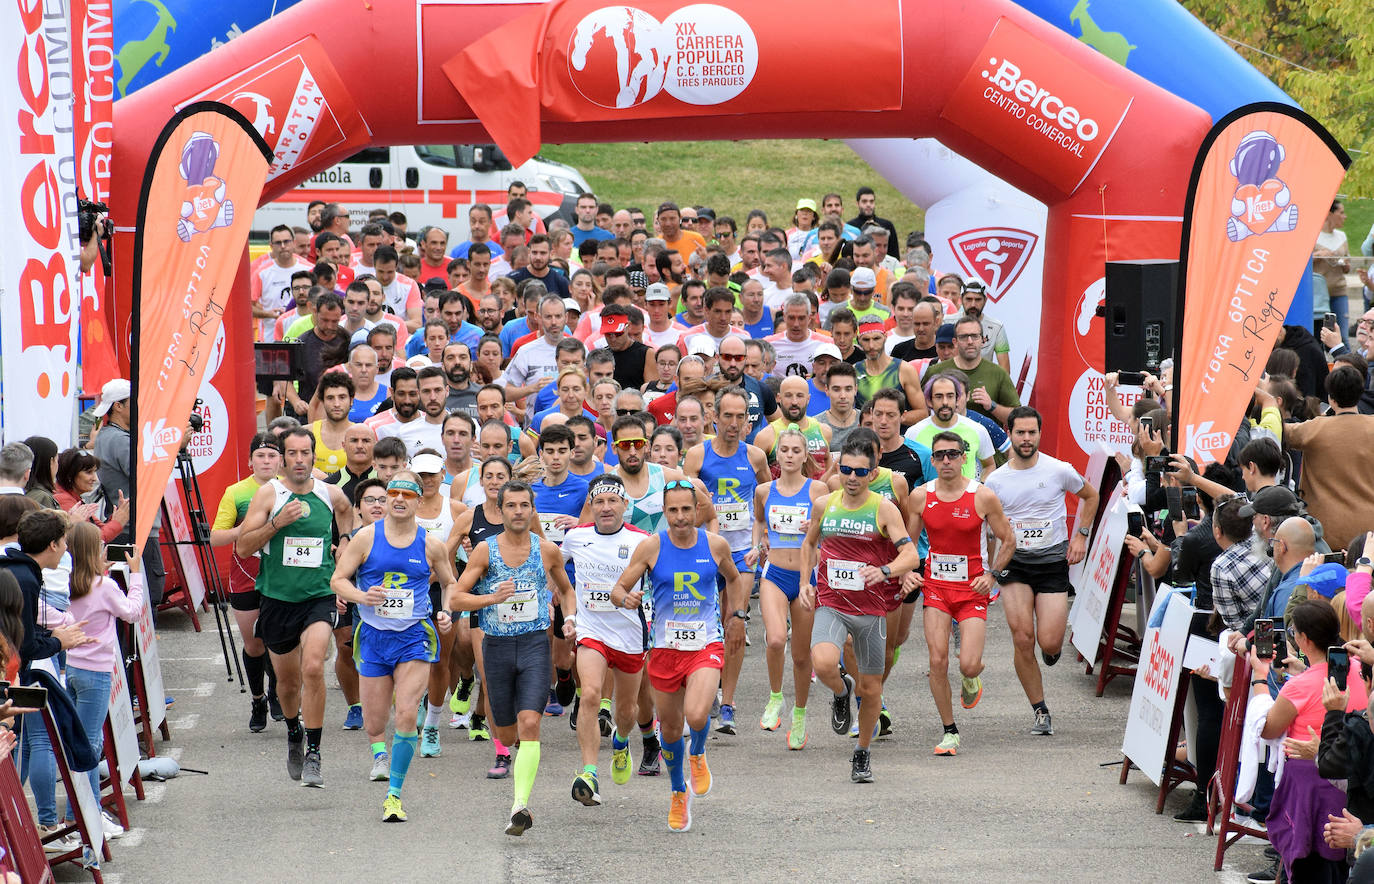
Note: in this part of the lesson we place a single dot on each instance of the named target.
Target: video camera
(92, 220)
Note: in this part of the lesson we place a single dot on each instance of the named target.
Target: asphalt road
(1009, 807)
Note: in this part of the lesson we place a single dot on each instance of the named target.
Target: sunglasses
(731, 357)
(859, 291)
(679, 483)
(636, 443)
(405, 493)
(855, 471)
(622, 412)
(946, 454)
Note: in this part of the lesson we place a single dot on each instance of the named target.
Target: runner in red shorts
(608, 637)
(689, 637)
(956, 584)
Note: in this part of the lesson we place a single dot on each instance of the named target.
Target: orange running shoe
(701, 775)
(680, 812)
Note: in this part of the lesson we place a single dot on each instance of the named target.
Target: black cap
(1275, 500)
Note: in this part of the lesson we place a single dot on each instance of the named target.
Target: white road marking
(154, 792)
(185, 722)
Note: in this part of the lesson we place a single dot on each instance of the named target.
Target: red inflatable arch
(1108, 151)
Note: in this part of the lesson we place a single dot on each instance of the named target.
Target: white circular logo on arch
(702, 54)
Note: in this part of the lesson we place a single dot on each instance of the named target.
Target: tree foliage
(1325, 61)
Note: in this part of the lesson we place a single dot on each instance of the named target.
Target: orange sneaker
(680, 812)
(701, 775)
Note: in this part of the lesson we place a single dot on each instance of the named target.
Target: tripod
(205, 558)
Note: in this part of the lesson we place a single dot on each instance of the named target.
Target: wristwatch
(743, 615)
(1002, 576)
(887, 572)
(1084, 530)
(1364, 562)
(446, 611)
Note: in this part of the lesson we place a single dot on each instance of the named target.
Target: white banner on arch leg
(38, 297)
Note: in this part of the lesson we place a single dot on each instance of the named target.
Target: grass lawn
(733, 177)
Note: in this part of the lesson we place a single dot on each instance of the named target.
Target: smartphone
(1334, 558)
(1135, 523)
(1281, 649)
(1156, 463)
(1174, 497)
(117, 552)
(24, 697)
(1190, 507)
(1147, 424)
(1338, 665)
(1130, 378)
(1264, 639)
(1330, 321)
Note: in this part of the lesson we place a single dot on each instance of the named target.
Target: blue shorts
(787, 581)
(378, 652)
(737, 556)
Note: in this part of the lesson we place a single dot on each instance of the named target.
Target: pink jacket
(99, 608)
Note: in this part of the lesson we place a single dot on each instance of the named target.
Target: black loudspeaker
(1141, 300)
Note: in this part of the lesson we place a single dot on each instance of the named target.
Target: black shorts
(281, 624)
(517, 671)
(1040, 576)
(245, 601)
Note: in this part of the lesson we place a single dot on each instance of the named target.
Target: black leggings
(1210, 711)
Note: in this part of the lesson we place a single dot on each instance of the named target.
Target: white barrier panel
(1157, 679)
(1093, 589)
(151, 666)
(121, 717)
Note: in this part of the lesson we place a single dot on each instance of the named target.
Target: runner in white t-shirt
(608, 637)
(270, 281)
(796, 344)
(1035, 584)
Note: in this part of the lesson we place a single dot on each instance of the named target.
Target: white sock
(432, 715)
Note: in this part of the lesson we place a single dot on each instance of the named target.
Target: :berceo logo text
(1047, 104)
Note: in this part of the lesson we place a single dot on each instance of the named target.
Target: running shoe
(564, 688)
(584, 790)
(110, 826)
(1267, 875)
(353, 721)
(1043, 726)
(460, 720)
(701, 775)
(772, 713)
(391, 810)
(1050, 659)
(274, 708)
(715, 706)
(841, 711)
(429, 742)
(68, 842)
(520, 820)
(295, 756)
(649, 764)
(310, 771)
(680, 811)
(257, 716)
(949, 745)
(461, 701)
(381, 768)
(727, 720)
(796, 737)
(577, 706)
(603, 719)
(478, 732)
(884, 722)
(501, 769)
(620, 766)
(971, 691)
(553, 708)
(859, 770)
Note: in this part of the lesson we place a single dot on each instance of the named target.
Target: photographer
(112, 447)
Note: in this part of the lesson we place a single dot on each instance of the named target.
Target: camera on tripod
(196, 421)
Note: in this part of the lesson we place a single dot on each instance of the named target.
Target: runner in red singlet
(953, 511)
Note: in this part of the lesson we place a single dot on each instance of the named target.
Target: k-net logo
(1204, 444)
(620, 57)
(1262, 202)
(159, 439)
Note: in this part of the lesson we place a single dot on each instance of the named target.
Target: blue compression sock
(672, 753)
(618, 742)
(699, 739)
(402, 751)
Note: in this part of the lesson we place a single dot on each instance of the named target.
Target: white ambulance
(431, 184)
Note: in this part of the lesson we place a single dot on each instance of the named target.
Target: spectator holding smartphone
(98, 601)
